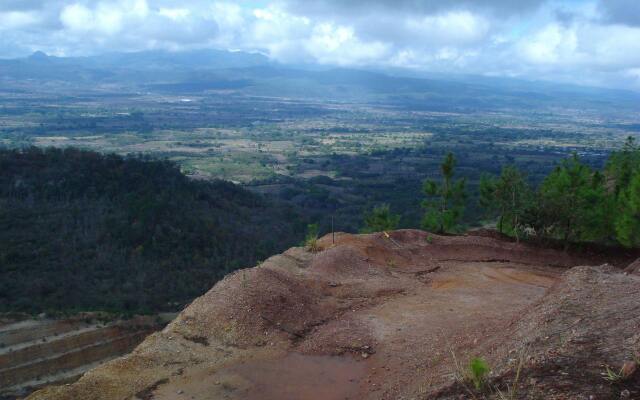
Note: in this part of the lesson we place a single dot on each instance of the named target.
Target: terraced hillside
(35, 353)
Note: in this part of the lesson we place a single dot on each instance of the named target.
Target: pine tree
(509, 195)
(623, 169)
(623, 164)
(380, 219)
(445, 201)
(574, 202)
(627, 224)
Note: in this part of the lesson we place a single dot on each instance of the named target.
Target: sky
(589, 42)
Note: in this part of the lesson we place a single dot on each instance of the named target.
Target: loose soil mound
(381, 317)
(586, 325)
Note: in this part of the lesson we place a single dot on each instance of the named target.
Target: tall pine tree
(509, 195)
(573, 201)
(623, 169)
(445, 200)
(380, 219)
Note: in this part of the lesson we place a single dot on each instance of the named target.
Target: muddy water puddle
(294, 377)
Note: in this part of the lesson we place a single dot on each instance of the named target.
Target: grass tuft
(477, 372)
(311, 240)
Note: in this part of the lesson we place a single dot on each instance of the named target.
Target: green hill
(86, 231)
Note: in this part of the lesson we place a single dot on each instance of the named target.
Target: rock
(634, 267)
(628, 369)
(625, 394)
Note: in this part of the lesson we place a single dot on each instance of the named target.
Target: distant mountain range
(200, 71)
(158, 65)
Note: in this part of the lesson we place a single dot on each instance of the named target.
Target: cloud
(20, 5)
(582, 41)
(104, 18)
(621, 11)
(358, 7)
(13, 20)
(451, 28)
(582, 47)
(129, 25)
(339, 45)
(175, 13)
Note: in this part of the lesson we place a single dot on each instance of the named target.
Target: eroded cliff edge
(373, 317)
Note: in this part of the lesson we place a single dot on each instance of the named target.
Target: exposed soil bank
(376, 317)
(37, 352)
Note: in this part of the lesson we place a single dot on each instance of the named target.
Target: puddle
(299, 376)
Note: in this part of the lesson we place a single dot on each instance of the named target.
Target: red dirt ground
(377, 317)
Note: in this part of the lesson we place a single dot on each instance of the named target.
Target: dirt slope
(376, 317)
(634, 267)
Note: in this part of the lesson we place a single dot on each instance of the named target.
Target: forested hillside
(85, 231)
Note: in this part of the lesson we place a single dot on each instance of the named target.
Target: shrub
(311, 239)
(478, 370)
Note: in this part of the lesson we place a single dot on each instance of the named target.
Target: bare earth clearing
(373, 317)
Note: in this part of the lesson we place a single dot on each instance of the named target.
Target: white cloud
(280, 34)
(330, 44)
(583, 45)
(17, 19)
(551, 45)
(77, 17)
(588, 41)
(456, 27)
(105, 18)
(228, 15)
(174, 13)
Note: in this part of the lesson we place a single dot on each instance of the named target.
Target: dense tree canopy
(574, 203)
(623, 169)
(86, 231)
(627, 223)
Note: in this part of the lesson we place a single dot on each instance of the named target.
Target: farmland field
(331, 148)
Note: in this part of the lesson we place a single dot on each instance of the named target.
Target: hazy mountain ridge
(253, 73)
